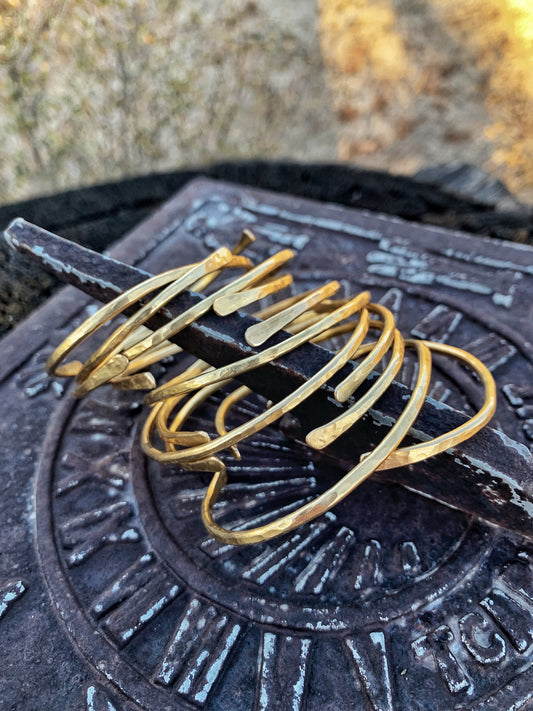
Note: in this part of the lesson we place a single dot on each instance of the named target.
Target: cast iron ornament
(392, 601)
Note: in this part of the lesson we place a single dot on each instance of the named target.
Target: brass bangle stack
(309, 317)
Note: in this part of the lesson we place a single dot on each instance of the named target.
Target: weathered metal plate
(112, 597)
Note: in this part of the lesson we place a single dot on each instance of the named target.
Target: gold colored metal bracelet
(312, 316)
(336, 493)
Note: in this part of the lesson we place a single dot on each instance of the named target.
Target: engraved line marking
(492, 350)
(90, 423)
(131, 580)
(325, 223)
(370, 658)
(271, 445)
(279, 234)
(39, 350)
(521, 399)
(410, 558)
(239, 495)
(110, 470)
(325, 564)
(147, 603)
(437, 645)
(33, 379)
(392, 300)
(438, 324)
(478, 636)
(247, 521)
(525, 413)
(272, 560)
(518, 395)
(104, 420)
(213, 548)
(135, 598)
(528, 429)
(511, 617)
(282, 681)
(439, 392)
(98, 701)
(10, 591)
(199, 648)
(190, 631)
(518, 576)
(368, 573)
(91, 531)
(393, 259)
(490, 261)
(260, 468)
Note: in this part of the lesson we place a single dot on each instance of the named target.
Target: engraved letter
(485, 645)
(97, 700)
(437, 643)
(438, 324)
(521, 398)
(492, 350)
(410, 558)
(511, 617)
(518, 576)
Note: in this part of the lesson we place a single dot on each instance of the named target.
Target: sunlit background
(92, 90)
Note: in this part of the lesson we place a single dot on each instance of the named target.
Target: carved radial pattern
(390, 601)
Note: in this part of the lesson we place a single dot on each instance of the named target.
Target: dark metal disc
(113, 597)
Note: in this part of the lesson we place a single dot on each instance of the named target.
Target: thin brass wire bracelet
(124, 357)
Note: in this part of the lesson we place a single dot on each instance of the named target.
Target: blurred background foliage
(421, 82)
(93, 90)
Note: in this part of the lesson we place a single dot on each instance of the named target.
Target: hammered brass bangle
(102, 316)
(178, 279)
(157, 419)
(233, 370)
(253, 276)
(107, 364)
(261, 332)
(339, 491)
(172, 434)
(312, 316)
(419, 452)
(268, 416)
(107, 356)
(350, 384)
(162, 410)
(321, 437)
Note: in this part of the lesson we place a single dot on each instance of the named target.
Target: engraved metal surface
(393, 601)
(493, 489)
